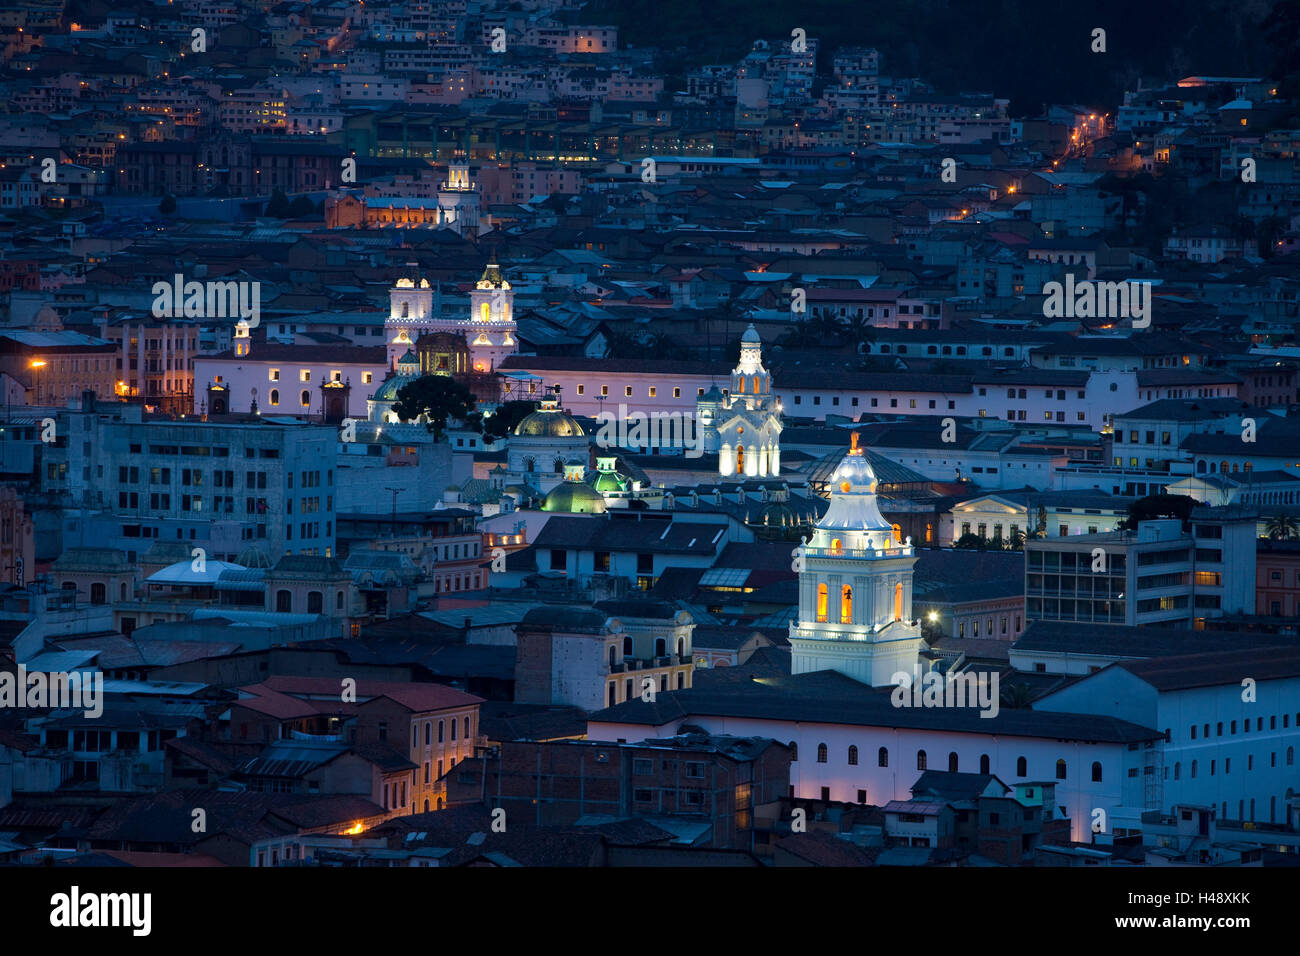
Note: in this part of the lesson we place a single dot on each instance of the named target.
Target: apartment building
(1160, 574)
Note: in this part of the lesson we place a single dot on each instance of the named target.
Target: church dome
(574, 497)
(610, 482)
(852, 489)
(549, 423)
(388, 391)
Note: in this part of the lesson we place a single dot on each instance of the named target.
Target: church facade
(489, 329)
(744, 425)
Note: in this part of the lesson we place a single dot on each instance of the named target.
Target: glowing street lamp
(36, 366)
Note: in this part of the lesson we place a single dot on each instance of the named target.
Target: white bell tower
(855, 586)
(745, 427)
(490, 329)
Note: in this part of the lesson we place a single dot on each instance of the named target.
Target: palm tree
(859, 331)
(1282, 527)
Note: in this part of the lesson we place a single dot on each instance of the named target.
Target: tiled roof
(831, 698)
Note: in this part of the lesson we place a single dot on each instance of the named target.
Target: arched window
(275, 396)
(1200, 467)
(465, 729)
(898, 602)
(920, 760)
(627, 647)
(740, 459)
(442, 733)
(661, 647)
(453, 728)
(485, 312)
(1290, 756)
(882, 757)
(613, 656)
(1193, 769)
(283, 601)
(837, 546)
(1096, 772)
(1060, 770)
(406, 310)
(681, 647)
(559, 466)
(952, 762)
(428, 733)
(305, 398)
(821, 753)
(1022, 767)
(529, 465)
(794, 751)
(853, 755)
(821, 602)
(984, 763)
(98, 593)
(846, 605)
(315, 602)
(898, 533)
(426, 806)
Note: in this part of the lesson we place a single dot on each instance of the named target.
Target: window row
(922, 761)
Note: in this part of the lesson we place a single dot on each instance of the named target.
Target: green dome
(607, 482)
(574, 497)
(388, 391)
(549, 423)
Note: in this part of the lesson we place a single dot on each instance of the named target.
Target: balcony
(901, 551)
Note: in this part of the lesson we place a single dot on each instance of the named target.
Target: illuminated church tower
(459, 201)
(490, 330)
(410, 314)
(744, 428)
(855, 586)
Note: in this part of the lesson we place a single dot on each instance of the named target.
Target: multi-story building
(695, 777)
(1224, 747)
(155, 360)
(221, 487)
(431, 726)
(587, 658)
(58, 366)
(1162, 573)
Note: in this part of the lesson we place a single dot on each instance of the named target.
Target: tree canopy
(438, 398)
(502, 422)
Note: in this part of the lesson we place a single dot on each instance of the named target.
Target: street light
(36, 366)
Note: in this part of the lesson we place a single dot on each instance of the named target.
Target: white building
(744, 426)
(855, 586)
(1227, 744)
(489, 329)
